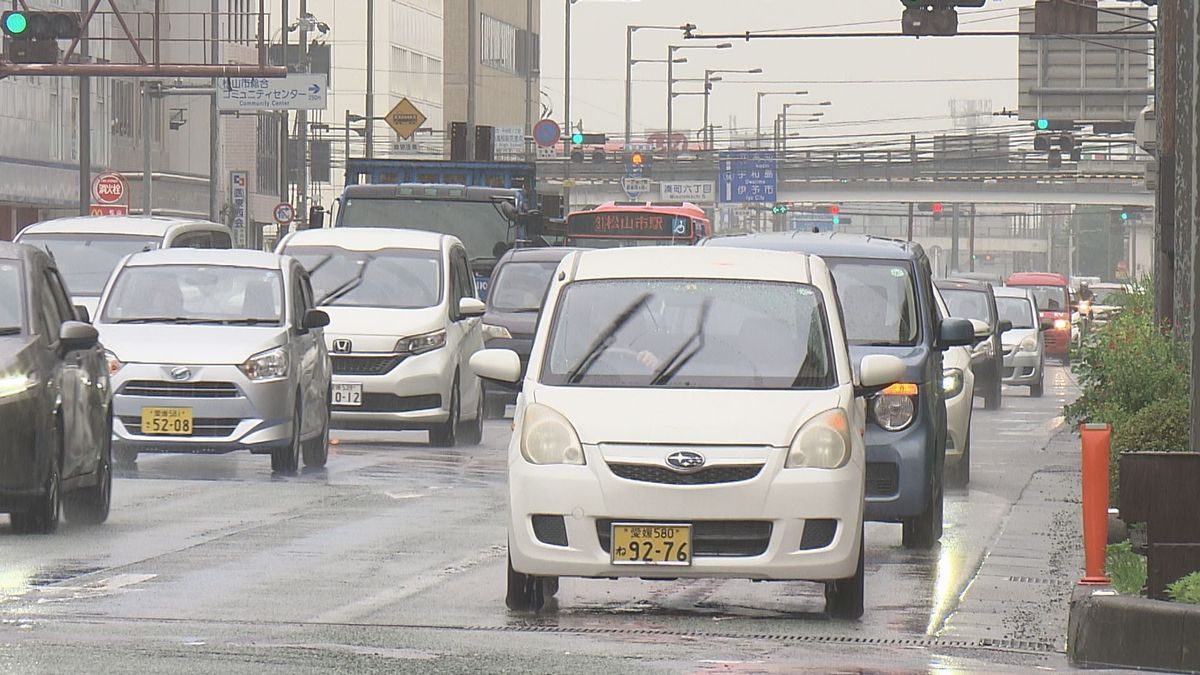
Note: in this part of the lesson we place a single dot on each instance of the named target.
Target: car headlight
(982, 349)
(114, 364)
(493, 332)
(822, 443)
(895, 408)
(419, 344)
(15, 385)
(952, 382)
(269, 365)
(548, 438)
(1061, 324)
(1029, 344)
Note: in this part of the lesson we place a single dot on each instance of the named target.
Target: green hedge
(1186, 589)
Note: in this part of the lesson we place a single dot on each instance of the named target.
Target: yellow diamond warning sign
(405, 119)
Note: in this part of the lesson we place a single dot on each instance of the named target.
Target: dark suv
(885, 288)
(974, 300)
(517, 290)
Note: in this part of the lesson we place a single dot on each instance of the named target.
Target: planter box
(1162, 489)
(1108, 630)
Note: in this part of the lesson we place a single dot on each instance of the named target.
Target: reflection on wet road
(393, 559)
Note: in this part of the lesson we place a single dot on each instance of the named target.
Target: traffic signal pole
(214, 121)
(85, 126)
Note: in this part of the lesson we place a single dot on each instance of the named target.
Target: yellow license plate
(167, 421)
(651, 544)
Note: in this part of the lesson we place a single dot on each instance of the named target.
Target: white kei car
(688, 413)
(958, 382)
(404, 320)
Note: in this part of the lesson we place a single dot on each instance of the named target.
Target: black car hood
(519, 324)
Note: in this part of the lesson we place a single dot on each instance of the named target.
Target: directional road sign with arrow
(297, 91)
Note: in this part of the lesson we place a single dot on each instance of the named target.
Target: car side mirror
(314, 318)
(1005, 326)
(76, 335)
(82, 314)
(877, 372)
(500, 365)
(955, 332)
(471, 307)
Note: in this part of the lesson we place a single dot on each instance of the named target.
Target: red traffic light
(834, 210)
(937, 207)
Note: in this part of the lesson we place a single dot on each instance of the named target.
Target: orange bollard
(1095, 501)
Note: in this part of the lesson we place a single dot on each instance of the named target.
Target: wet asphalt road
(392, 560)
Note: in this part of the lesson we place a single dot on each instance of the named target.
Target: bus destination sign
(631, 224)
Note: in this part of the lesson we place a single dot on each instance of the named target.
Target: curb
(1108, 630)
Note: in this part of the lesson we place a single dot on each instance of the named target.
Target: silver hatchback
(215, 351)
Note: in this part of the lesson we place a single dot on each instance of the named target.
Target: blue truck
(490, 206)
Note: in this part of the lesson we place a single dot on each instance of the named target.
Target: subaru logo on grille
(341, 346)
(181, 373)
(685, 460)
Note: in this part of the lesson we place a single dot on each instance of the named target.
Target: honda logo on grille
(685, 460)
(181, 373)
(341, 346)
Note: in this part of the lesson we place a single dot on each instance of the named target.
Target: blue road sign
(547, 132)
(748, 176)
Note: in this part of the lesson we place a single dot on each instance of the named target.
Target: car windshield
(392, 278)
(195, 294)
(87, 260)
(521, 286)
(1049, 298)
(685, 333)
(1107, 296)
(879, 299)
(1017, 310)
(12, 305)
(967, 304)
(483, 231)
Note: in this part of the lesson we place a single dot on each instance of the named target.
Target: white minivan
(88, 248)
(688, 412)
(404, 320)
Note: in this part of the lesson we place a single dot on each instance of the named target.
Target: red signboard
(108, 188)
(109, 210)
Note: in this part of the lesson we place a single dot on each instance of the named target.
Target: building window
(267, 166)
(498, 44)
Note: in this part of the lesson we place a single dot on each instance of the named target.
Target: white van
(88, 248)
(688, 413)
(404, 321)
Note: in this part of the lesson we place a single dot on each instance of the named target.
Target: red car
(1052, 292)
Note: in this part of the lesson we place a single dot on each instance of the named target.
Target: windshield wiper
(350, 284)
(682, 355)
(10, 330)
(605, 340)
(167, 319)
(252, 321)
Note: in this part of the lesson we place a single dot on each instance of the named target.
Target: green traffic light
(1043, 125)
(15, 23)
(1124, 215)
(577, 138)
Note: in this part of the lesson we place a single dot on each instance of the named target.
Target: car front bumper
(230, 411)
(776, 504)
(898, 470)
(412, 394)
(1022, 368)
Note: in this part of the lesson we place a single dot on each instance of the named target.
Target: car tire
(445, 434)
(958, 475)
(316, 451)
(844, 598)
(1036, 390)
(471, 432)
(286, 459)
(125, 456)
(91, 505)
(44, 514)
(525, 592)
(923, 532)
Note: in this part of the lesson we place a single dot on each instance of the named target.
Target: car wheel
(924, 531)
(316, 451)
(445, 435)
(525, 592)
(1036, 390)
(472, 431)
(90, 505)
(43, 516)
(958, 475)
(286, 459)
(844, 597)
(125, 456)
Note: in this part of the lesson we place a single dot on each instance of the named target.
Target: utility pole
(472, 58)
(670, 98)
(971, 241)
(147, 168)
(629, 84)
(566, 128)
(1165, 103)
(910, 221)
(954, 237)
(370, 107)
(284, 136)
(529, 68)
(302, 122)
(214, 125)
(85, 126)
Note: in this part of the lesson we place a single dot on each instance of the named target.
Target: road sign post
(297, 91)
(748, 176)
(634, 186)
(546, 133)
(283, 213)
(405, 119)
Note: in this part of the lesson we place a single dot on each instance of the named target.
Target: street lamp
(629, 61)
(708, 80)
(758, 110)
(671, 49)
(782, 120)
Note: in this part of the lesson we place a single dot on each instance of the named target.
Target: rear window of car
(880, 301)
